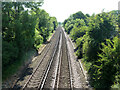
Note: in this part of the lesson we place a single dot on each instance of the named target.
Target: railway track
(54, 68)
(34, 79)
(64, 74)
(37, 77)
(59, 75)
(56, 73)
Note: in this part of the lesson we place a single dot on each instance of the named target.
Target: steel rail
(36, 68)
(41, 85)
(37, 65)
(58, 73)
(69, 63)
(59, 61)
(59, 67)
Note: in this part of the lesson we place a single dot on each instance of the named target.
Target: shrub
(104, 71)
(9, 53)
(38, 39)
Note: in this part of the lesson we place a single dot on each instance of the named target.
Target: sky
(62, 9)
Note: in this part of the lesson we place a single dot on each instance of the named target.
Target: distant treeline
(24, 27)
(97, 45)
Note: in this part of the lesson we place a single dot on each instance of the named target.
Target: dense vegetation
(97, 45)
(24, 27)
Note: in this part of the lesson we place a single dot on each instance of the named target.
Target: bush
(9, 53)
(102, 60)
(38, 39)
(78, 30)
(103, 73)
(79, 43)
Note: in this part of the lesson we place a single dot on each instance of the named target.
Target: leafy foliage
(10, 53)
(78, 30)
(38, 39)
(107, 68)
(24, 26)
(79, 15)
(98, 45)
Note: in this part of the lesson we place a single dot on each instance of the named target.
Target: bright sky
(62, 9)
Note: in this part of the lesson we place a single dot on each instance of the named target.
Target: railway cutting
(55, 67)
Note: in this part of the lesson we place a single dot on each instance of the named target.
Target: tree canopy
(24, 26)
(97, 44)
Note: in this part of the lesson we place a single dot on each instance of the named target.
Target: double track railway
(54, 68)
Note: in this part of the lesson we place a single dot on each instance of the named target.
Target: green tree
(107, 68)
(24, 27)
(100, 28)
(78, 15)
(78, 30)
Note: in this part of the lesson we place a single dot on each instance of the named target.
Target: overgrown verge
(98, 46)
(25, 27)
(14, 67)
